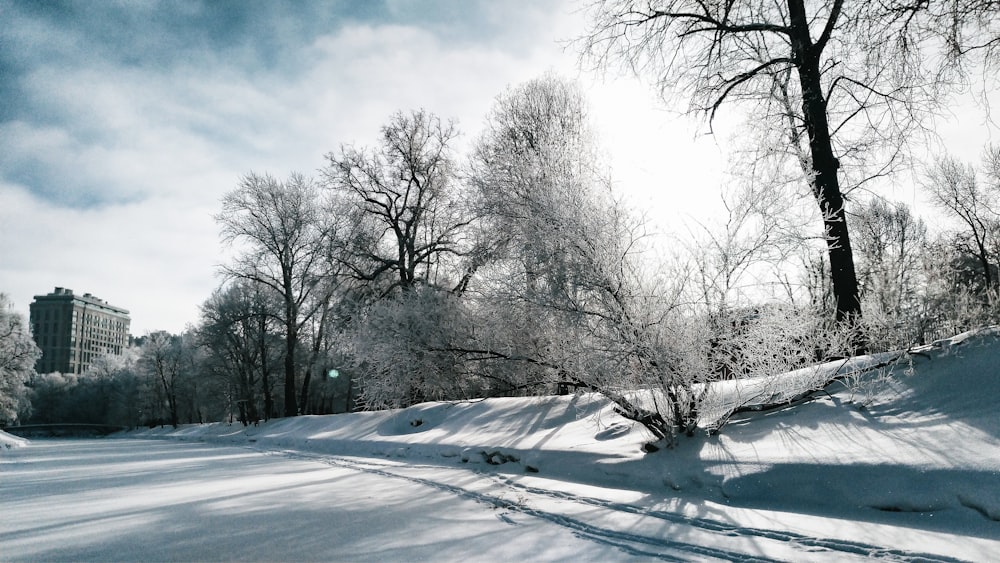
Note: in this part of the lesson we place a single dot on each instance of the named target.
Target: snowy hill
(9, 441)
(913, 447)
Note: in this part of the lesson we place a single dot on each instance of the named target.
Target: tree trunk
(320, 333)
(304, 393)
(291, 406)
(984, 261)
(348, 402)
(826, 185)
(291, 340)
(265, 370)
(171, 402)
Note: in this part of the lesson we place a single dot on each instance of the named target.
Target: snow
(9, 441)
(191, 502)
(904, 465)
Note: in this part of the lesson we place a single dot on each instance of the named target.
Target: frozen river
(100, 500)
(157, 500)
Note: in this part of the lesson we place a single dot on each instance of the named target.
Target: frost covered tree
(18, 354)
(974, 200)
(742, 302)
(400, 244)
(282, 235)
(408, 350)
(564, 254)
(890, 242)
(160, 361)
(122, 391)
(748, 243)
(238, 329)
(847, 82)
(963, 267)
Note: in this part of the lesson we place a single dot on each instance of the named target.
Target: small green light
(332, 374)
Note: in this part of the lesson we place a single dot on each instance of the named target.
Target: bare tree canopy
(974, 200)
(236, 328)
(846, 82)
(286, 250)
(402, 194)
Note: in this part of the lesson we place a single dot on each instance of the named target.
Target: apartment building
(73, 330)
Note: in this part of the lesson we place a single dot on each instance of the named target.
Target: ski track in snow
(631, 543)
(833, 545)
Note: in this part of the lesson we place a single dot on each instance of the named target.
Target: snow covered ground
(905, 467)
(9, 442)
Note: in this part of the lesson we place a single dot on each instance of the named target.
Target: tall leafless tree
(890, 239)
(409, 223)
(565, 255)
(284, 246)
(161, 357)
(237, 330)
(890, 242)
(959, 189)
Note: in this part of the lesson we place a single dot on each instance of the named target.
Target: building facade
(74, 330)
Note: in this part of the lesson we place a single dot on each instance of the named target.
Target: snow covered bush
(407, 350)
(18, 353)
(769, 340)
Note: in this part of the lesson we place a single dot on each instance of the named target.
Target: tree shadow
(885, 494)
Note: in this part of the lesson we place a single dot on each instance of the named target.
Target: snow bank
(9, 441)
(924, 445)
(578, 437)
(760, 393)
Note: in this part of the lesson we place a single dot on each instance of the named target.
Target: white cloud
(180, 137)
(154, 258)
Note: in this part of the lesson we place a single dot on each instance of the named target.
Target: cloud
(132, 121)
(154, 258)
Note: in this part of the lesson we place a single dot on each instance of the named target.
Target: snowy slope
(9, 441)
(924, 448)
(913, 455)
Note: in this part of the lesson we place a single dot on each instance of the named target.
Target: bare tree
(957, 188)
(409, 223)
(847, 82)
(321, 328)
(565, 254)
(954, 298)
(237, 329)
(285, 241)
(752, 239)
(161, 356)
(740, 265)
(890, 241)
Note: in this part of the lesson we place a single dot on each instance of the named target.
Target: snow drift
(9, 441)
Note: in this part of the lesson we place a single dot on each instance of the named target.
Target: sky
(122, 124)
